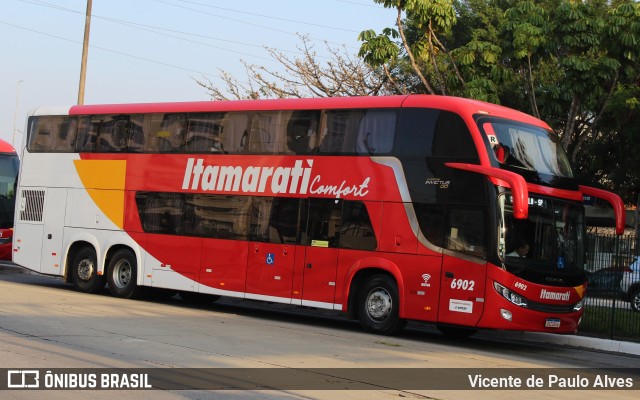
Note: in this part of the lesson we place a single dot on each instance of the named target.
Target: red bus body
(166, 209)
(8, 175)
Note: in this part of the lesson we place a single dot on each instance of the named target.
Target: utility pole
(15, 113)
(85, 50)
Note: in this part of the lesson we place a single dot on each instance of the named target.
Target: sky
(154, 50)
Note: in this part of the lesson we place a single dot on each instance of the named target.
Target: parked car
(605, 281)
(630, 285)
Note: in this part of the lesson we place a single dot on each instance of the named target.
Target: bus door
(323, 222)
(270, 271)
(274, 235)
(54, 214)
(463, 274)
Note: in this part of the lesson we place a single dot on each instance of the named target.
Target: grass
(610, 323)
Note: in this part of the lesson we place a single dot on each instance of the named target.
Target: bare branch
(344, 74)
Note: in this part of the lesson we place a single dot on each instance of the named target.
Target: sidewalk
(585, 342)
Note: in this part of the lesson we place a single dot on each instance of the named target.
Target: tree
(570, 63)
(306, 76)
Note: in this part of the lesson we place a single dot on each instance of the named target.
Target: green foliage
(574, 63)
(378, 50)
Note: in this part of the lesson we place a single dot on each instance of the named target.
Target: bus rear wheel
(378, 306)
(84, 271)
(122, 275)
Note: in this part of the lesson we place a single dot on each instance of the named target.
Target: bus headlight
(578, 306)
(510, 295)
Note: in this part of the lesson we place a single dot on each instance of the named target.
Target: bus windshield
(547, 247)
(8, 176)
(526, 146)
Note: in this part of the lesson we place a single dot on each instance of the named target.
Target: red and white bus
(9, 163)
(386, 208)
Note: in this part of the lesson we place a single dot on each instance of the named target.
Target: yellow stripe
(580, 290)
(104, 181)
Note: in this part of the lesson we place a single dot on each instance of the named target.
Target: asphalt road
(45, 324)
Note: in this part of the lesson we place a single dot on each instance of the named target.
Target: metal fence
(607, 314)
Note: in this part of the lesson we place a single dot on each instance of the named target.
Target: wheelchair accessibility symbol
(271, 258)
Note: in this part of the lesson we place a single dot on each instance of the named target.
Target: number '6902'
(462, 284)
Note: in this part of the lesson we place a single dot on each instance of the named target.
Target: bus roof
(455, 104)
(6, 147)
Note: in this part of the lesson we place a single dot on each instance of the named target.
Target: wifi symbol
(426, 277)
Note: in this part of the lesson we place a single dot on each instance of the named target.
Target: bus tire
(122, 275)
(634, 298)
(379, 306)
(84, 271)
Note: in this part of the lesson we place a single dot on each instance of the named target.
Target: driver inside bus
(521, 250)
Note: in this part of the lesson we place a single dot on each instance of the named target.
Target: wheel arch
(632, 289)
(360, 272)
(75, 244)
(103, 251)
(131, 246)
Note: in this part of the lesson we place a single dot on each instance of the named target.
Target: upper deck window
(526, 146)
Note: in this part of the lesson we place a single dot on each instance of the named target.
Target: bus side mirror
(611, 198)
(500, 177)
(502, 153)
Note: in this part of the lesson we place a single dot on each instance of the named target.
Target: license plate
(552, 323)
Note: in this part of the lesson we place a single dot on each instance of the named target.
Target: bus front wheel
(122, 275)
(378, 306)
(85, 276)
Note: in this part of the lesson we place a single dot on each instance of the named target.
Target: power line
(248, 23)
(268, 16)
(361, 4)
(107, 50)
(156, 29)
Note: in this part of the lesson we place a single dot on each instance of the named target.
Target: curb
(581, 342)
(614, 346)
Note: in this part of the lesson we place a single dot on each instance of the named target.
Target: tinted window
(136, 140)
(275, 220)
(431, 219)
(235, 132)
(302, 132)
(87, 133)
(465, 232)
(112, 132)
(161, 212)
(315, 222)
(268, 132)
(165, 133)
(356, 231)
(452, 137)
(9, 172)
(203, 133)
(222, 217)
(52, 133)
(358, 132)
(323, 225)
(416, 131)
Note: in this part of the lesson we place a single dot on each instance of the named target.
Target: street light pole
(85, 51)
(15, 113)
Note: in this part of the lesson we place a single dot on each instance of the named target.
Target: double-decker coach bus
(386, 208)
(9, 163)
